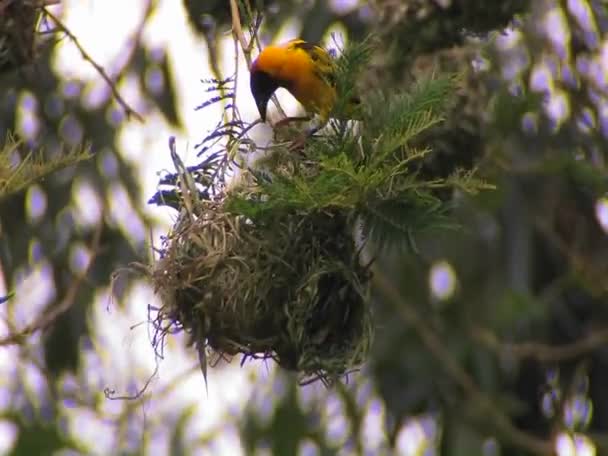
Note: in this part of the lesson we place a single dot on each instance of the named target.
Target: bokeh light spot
(372, 435)
(343, 6)
(583, 445)
(541, 79)
(586, 121)
(107, 163)
(411, 439)
(574, 445)
(71, 89)
(8, 436)
(154, 80)
(337, 426)
(79, 258)
(564, 446)
(442, 280)
(27, 120)
(36, 252)
(558, 107)
(115, 116)
(308, 448)
(88, 203)
(581, 11)
(71, 130)
(95, 96)
(36, 203)
(601, 212)
(509, 39)
(54, 106)
(490, 447)
(529, 123)
(558, 31)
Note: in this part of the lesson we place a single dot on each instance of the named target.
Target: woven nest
(293, 291)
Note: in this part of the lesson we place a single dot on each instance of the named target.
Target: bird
(306, 70)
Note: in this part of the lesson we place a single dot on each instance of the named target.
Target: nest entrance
(293, 290)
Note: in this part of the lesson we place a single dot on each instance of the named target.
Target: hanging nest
(294, 290)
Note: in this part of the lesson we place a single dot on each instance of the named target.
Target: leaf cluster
(369, 169)
(16, 173)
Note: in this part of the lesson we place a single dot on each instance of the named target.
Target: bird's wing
(323, 63)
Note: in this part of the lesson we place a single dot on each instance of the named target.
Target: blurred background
(491, 339)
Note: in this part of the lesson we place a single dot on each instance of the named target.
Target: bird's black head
(262, 87)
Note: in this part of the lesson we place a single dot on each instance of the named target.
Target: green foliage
(508, 109)
(40, 437)
(348, 68)
(33, 167)
(393, 119)
(368, 170)
(395, 222)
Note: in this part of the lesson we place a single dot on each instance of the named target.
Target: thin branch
(576, 261)
(45, 320)
(237, 31)
(110, 393)
(437, 348)
(237, 28)
(85, 55)
(543, 352)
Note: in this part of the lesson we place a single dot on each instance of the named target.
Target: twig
(237, 31)
(46, 319)
(85, 55)
(237, 28)
(577, 263)
(438, 349)
(543, 352)
(110, 393)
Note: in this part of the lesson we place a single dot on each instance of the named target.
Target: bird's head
(262, 85)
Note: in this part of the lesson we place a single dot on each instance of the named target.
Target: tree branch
(45, 320)
(435, 345)
(85, 55)
(542, 352)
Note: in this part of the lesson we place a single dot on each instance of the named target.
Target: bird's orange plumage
(302, 69)
(307, 71)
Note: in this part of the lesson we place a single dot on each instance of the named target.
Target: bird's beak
(262, 87)
(262, 103)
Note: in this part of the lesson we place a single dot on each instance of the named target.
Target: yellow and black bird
(306, 70)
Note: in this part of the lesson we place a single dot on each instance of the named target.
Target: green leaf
(516, 307)
(393, 119)
(468, 182)
(392, 223)
(39, 437)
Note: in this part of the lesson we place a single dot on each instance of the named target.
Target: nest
(293, 290)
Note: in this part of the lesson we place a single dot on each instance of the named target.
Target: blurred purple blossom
(154, 80)
(71, 89)
(71, 130)
(36, 203)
